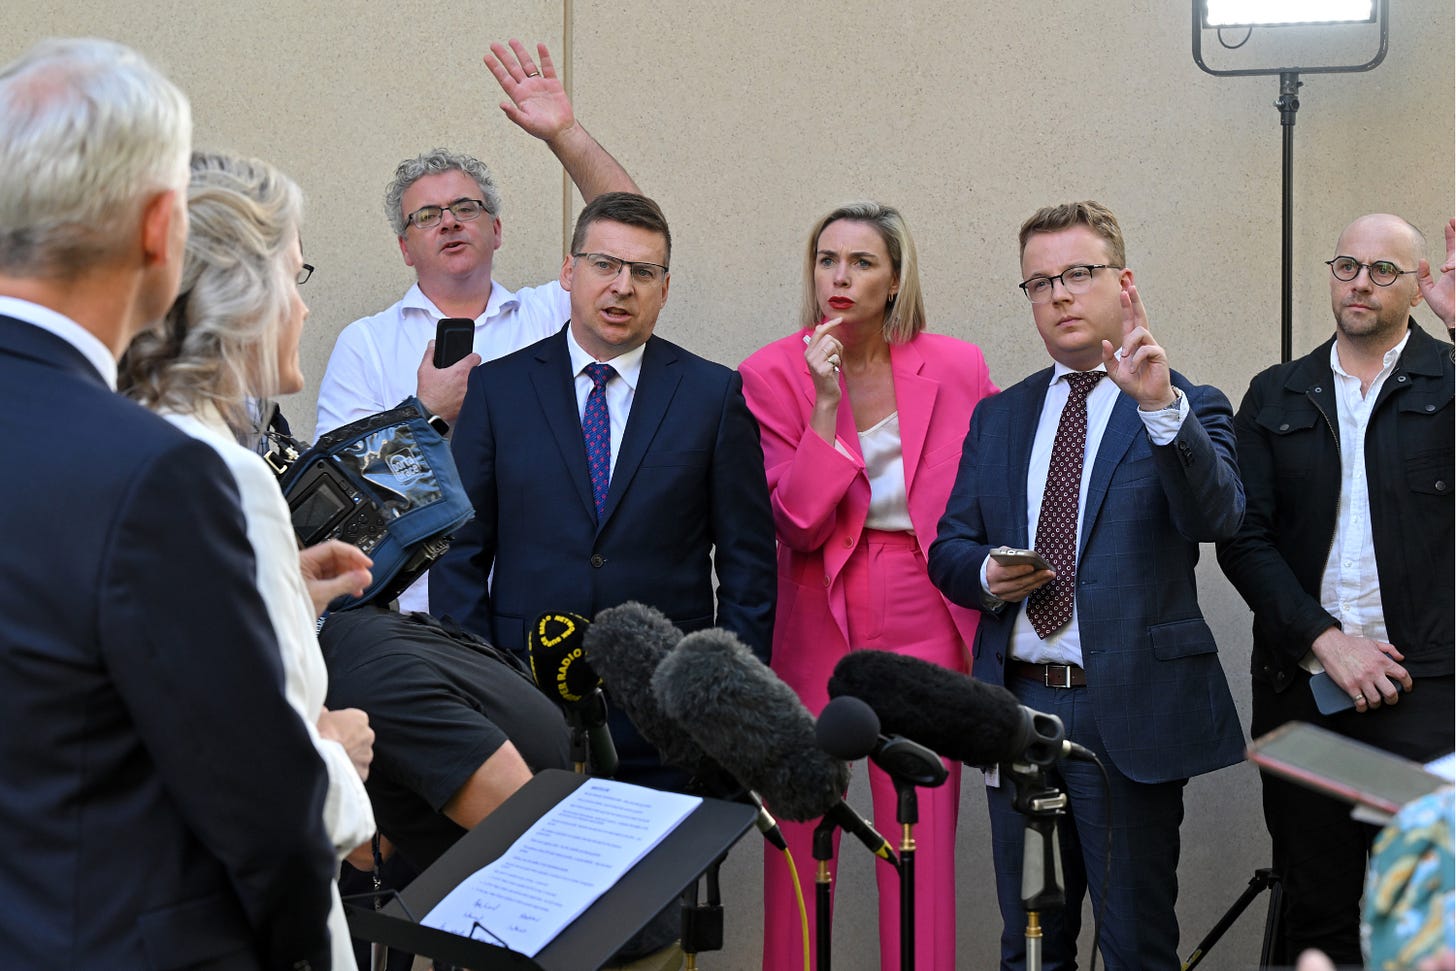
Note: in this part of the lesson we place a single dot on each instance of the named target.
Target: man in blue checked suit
(1115, 468)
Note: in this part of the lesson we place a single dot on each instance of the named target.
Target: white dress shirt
(620, 389)
(1350, 587)
(376, 359)
(67, 330)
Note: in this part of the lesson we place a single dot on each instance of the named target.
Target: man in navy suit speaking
(1114, 468)
(161, 800)
(607, 465)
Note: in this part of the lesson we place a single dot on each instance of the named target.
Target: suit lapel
(1123, 426)
(914, 402)
(1026, 415)
(656, 387)
(556, 394)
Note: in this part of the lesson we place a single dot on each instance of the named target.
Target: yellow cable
(803, 911)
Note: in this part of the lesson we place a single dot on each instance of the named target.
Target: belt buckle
(1046, 675)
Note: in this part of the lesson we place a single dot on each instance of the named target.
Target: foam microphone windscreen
(847, 728)
(625, 644)
(554, 645)
(959, 717)
(751, 723)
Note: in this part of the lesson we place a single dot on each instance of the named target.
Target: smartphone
(1329, 697)
(454, 338)
(1353, 771)
(1007, 556)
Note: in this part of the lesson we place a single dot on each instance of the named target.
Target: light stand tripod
(1264, 879)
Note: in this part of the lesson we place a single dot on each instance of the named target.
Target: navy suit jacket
(688, 495)
(162, 802)
(1159, 694)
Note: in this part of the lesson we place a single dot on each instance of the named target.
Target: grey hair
(434, 162)
(905, 312)
(218, 344)
(91, 130)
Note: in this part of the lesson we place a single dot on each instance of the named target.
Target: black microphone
(627, 643)
(757, 729)
(554, 645)
(961, 718)
(849, 729)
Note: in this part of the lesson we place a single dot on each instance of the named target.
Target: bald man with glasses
(1345, 555)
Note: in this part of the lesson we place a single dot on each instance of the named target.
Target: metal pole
(1288, 105)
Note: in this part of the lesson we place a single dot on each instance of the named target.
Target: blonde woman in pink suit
(862, 416)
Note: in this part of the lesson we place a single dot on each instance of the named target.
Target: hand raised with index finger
(1139, 366)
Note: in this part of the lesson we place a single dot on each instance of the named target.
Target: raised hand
(1440, 292)
(538, 101)
(1139, 367)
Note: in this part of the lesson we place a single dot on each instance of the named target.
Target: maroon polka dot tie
(596, 429)
(1049, 608)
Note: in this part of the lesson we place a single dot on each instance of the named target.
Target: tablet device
(1342, 767)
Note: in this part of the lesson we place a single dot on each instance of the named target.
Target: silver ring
(834, 359)
(1359, 698)
(534, 74)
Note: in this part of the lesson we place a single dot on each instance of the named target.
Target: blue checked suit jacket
(1158, 690)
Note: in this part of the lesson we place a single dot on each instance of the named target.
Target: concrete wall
(748, 121)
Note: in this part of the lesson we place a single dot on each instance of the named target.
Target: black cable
(1233, 47)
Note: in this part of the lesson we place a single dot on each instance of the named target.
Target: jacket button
(1284, 427)
(826, 579)
(1400, 379)
(597, 560)
(848, 542)
(1430, 407)
(1440, 485)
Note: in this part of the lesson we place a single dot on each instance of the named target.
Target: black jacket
(1289, 454)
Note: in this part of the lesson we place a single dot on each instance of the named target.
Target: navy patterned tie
(596, 429)
(1049, 608)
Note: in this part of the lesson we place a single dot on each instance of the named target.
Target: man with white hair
(162, 800)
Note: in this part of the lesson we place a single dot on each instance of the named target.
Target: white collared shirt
(67, 330)
(1065, 646)
(620, 389)
(1350, 587)
(376, 359)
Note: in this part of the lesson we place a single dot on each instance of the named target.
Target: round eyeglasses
(1382, 272)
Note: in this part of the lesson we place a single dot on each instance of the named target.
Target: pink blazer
(820, 494)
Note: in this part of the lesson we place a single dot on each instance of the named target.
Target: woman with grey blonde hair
(229, 341)
(862, 415)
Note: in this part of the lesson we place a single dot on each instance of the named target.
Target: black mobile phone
(1329, 697)
(454, 338)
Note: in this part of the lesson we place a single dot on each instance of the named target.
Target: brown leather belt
(1048, 675)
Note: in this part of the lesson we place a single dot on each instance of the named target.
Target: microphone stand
(702, 924)
(908, 764)
(823, 853)
(1041, 861)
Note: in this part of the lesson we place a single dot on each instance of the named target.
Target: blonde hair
(218, 344)
(905, 311)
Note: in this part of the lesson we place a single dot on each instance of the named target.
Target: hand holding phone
(1009, 556)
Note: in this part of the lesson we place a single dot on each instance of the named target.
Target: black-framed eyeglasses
(1077, 279)
(304, 273)
(607, 267)
(1382, 272)
(462, 209)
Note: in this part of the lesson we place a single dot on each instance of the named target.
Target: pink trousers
(893, 607)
